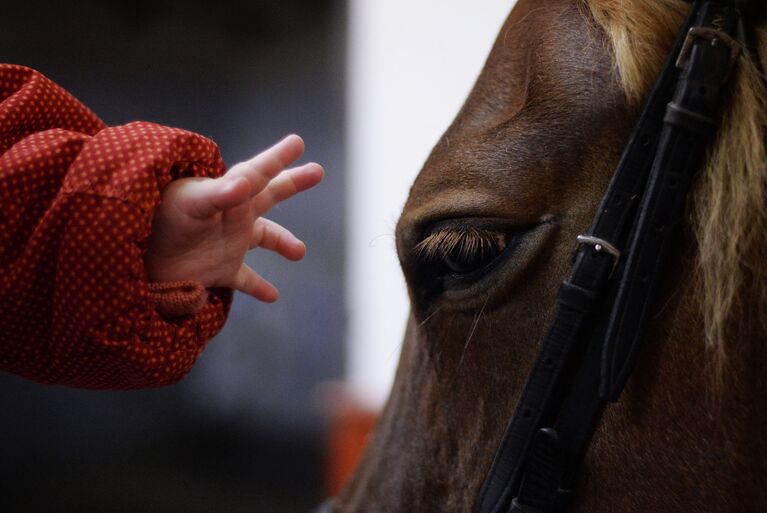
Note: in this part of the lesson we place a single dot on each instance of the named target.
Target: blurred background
(277, 407)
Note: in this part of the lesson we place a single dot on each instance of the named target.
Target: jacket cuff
(178, 298)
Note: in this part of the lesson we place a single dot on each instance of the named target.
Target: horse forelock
(728, 207)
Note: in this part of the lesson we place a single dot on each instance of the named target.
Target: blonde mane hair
(728, 207)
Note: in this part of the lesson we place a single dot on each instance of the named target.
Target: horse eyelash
(462, 243)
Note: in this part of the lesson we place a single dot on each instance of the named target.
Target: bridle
(602, 308)
(592, 344)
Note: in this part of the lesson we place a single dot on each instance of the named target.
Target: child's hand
(203, 227)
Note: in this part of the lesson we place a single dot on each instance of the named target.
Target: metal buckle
(601, 245)
(716, 37)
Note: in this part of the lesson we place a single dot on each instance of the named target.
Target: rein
(603, 307)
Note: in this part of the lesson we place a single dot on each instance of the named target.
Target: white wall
(411, 65)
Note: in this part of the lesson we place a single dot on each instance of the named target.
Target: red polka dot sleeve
(77, 204)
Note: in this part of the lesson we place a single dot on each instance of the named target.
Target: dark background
(245, 431)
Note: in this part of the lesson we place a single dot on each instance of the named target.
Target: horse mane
(728, 207)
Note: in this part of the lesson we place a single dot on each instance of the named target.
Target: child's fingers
(266, 165)
(201, 198)
(249, 282)
(272, 236)
(287, 184)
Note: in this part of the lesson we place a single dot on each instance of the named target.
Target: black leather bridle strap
(689, 127)
(690, 123)
(584, 359)
(591, 268)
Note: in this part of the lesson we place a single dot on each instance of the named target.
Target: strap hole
(673, 183)
(526, 413)
(618, 200)
(646, 140)
(548, 362)
(702, 90)
(659, 227)
(643, 275)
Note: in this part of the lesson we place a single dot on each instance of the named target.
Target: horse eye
(459, 254)
(460, 261)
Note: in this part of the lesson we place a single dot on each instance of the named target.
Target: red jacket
(77, 204)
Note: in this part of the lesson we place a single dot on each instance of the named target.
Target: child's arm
(78, 204)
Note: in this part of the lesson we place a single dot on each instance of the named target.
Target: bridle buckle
(601, 246)
(716, 37)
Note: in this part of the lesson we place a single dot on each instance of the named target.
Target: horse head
(487, 236)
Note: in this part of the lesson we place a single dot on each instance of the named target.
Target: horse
(486, 237)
